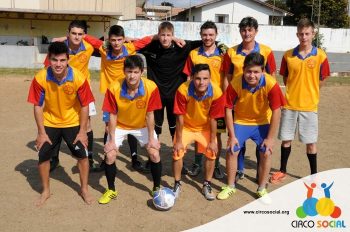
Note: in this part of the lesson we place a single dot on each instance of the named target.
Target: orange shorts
(201, 137)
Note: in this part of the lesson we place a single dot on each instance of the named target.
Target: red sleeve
(85, 94)
(284, 68)
(231, 96)
(276, 98)
(109, 103)
(141, 43)
(226, 66)
(47, 61)
(325, 70)
(188, 66)
(36, 93)
(96, 43)
(154, 101)
(271, 64)
(217, 108)
(180, 103)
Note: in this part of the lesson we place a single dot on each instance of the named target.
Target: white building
(232, 11)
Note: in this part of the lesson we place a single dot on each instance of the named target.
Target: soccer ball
(164, 199)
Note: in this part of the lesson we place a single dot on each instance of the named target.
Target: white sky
(177, 3)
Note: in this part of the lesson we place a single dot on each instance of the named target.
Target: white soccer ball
(164, 198)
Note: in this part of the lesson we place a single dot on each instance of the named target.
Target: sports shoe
(147, 168)
(184, 170)
(195, 170)
(263, 196)
(239, 176)
(177, 189)
(137, 165)
(108, 196)
(54, 163)
(226, 192)
(155, 189)
(277, 177)
(218, 173)
(207, 192)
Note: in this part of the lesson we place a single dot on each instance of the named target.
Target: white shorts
(140, 134)
(307, 123)
(92, 109)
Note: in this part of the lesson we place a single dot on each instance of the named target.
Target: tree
(167, 4)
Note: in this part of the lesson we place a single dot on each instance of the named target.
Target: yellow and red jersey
(112, 67)
(62, 101)
(131, 111)
(78, 59)
(252, 106)
(198, 111)
(234, 59)
(215, 61)
(303, 78)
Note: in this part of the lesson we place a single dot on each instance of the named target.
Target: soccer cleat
(177, 189)
(108, 196)
(263, 196)
(147, 168)
(239, 176)
(54, 163)
(277, 177)
(226, 192)
(207, 192)
(218, 173)
(137, 165)
(195, 170)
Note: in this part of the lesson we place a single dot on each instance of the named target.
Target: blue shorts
(256, 133)
(105, 117)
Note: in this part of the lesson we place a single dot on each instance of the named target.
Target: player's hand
(110, 146)
(179, 42)
(231, 143)
(40, 140)
(213, 147)
(82, 137)
(59, 39)
(268, 144)
(178, 148)
(153, 143)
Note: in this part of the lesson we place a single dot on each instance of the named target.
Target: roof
(60, 12)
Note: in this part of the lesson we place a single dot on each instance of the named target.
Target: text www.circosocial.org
(285, 212)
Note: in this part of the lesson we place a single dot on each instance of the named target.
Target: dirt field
(133, 210)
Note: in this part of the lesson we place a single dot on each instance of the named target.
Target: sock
(261, 188)
(105, 138)
(217, 163)
(90, 136)
(132, 141)
(313, 162)
(156, 170)
(110, 171)
(232, 185)
(285, 151)
(133, 157)
(178, 182)
(206, 182)
(198, 159)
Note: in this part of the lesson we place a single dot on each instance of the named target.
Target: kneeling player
(198, 103)
(258, 99)
(131, 102)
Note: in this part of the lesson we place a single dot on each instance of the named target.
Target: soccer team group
(206, 89)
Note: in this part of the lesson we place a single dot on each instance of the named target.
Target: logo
(311, 63)
(68, 89)
(76, 147)
(140, 104)
(83, 58)
(206, 104)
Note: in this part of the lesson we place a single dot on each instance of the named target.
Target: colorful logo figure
(323, 206)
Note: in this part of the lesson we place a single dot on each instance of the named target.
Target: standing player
(256, 98)
(209, 54)
(248, 28)
(198, 104)
(61, 97)
(304, 69)
(130, 102)
(79, 55)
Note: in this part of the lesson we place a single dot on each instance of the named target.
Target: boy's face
(252, 75)
(165, 37)
(248, 34)
(132, 76)
(59, 64)
(305, 36)
(116, 42)
(208, 37)
(75, 36)
(201, 81)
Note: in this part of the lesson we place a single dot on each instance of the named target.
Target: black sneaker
(239, 176)
(54, 163)
(195, 170)
(207, 192)
(218, 173)
(137, 165)
(147, 168)
(96, 168)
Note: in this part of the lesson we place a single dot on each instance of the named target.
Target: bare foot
(42, 199)
(88, 199)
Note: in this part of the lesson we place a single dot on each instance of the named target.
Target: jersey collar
(192, 92)
(110, 55)
(312, 53)
(124, 91)
(261, 84)
(51, 77)
(80, 49)
(202, 52)
(240, 48)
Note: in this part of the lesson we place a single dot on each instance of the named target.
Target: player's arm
(213, 146)
(284, 70)
(227, 70)
(188, 67)
(178, 146)
(271, 64)
(95, 42)
(152, 143)
(110, 106)
(324, 72)
(231, 96)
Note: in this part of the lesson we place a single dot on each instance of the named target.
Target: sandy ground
(133, 209)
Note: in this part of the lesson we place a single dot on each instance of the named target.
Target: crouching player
(198, 103)
(258, 99)
(131, 102)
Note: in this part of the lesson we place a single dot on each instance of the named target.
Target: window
(221, 18)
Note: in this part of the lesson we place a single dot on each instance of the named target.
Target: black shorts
(56, 134)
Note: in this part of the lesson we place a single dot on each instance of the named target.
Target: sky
(178, 3)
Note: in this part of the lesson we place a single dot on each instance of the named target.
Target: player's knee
(311, 148)
(287, 143)
(111, 157)
(154, 155)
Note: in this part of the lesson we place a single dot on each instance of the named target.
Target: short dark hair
(133, 61)
(209, 25)
(254, 59)
(57, 48)
(248, 22)
(166, 25)
(200, 67)
(79, 24)
(305, 22)
(116, 30)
